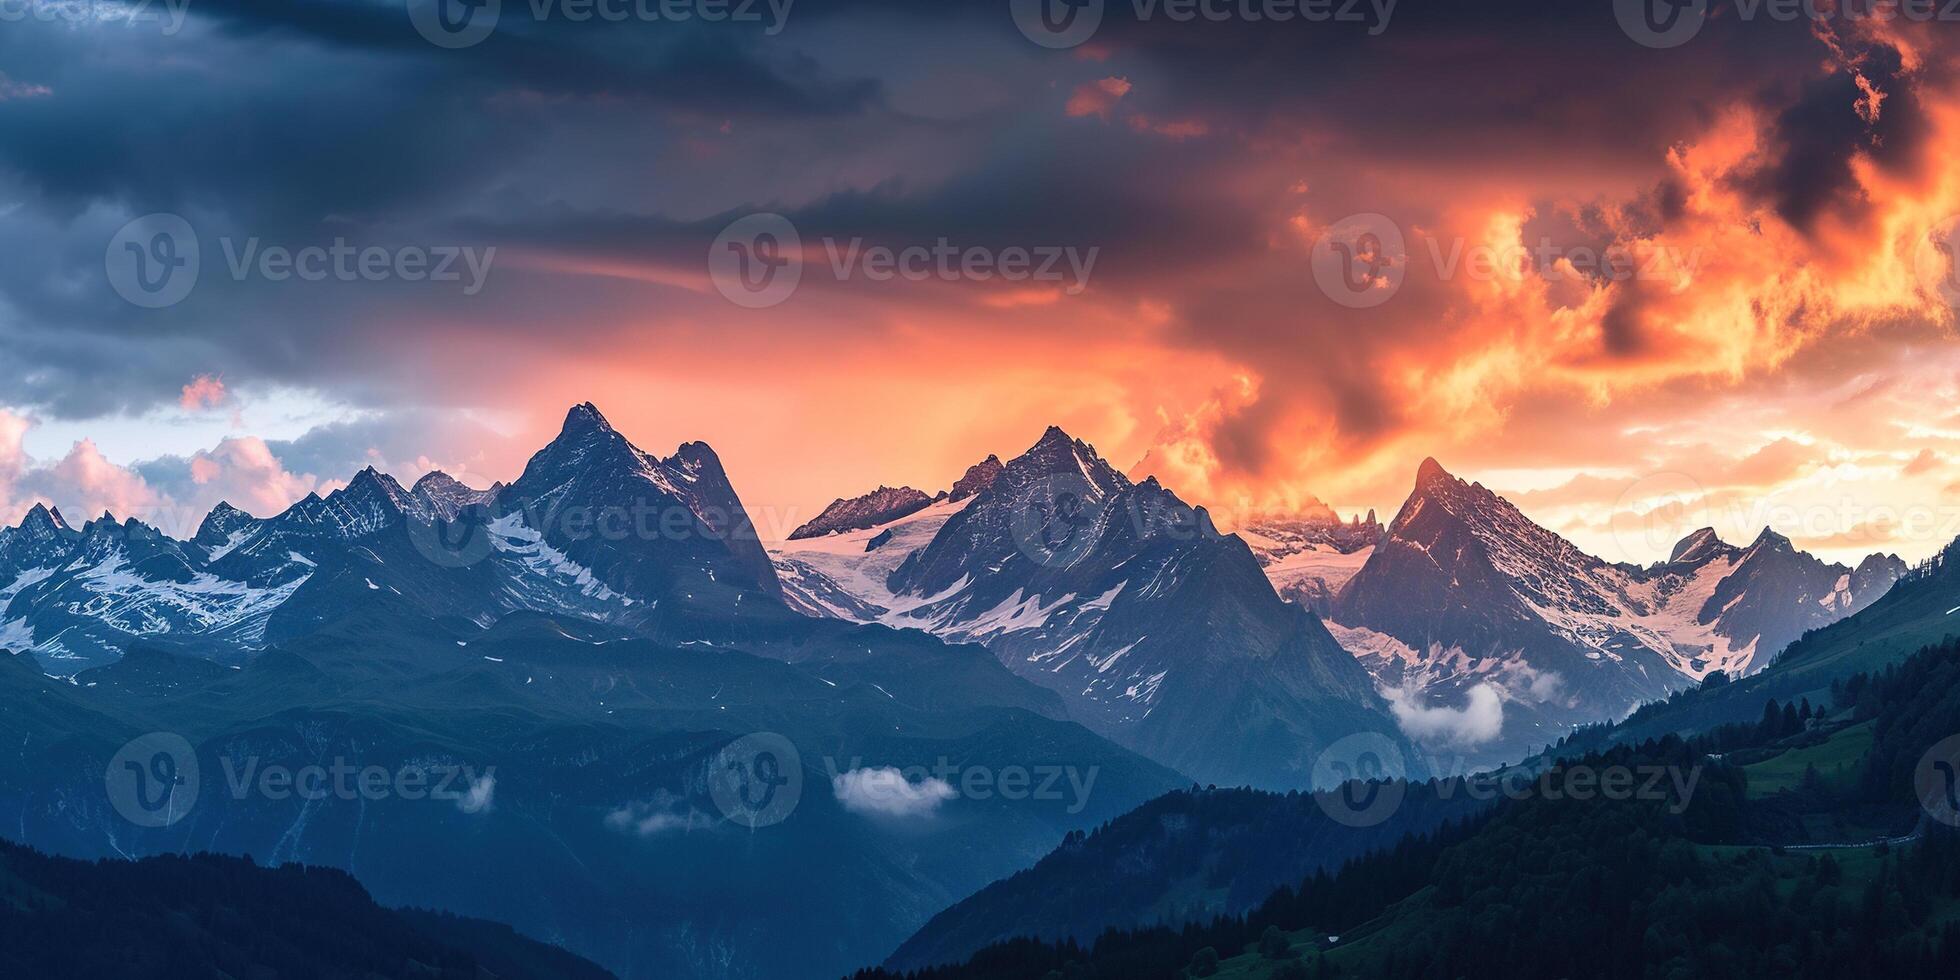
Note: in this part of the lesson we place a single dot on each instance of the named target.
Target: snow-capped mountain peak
(1698, 548)
(1467, 591)
(880, 506)
(1153, 626)
(44, 523)
(443, 496)
(219, 525)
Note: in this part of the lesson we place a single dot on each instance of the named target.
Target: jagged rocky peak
(1697, 548)
(1060, 455)
(587, 439)
(695, 460)
(446, 497)
(44, 522)
(880, 506)
(375, 498)
(1432, 473)
(1769, 540)
(223, 521)
(1877, 565)
(108, 525)
(372, 482)
(978, 477)
(436, 481)
(586, 417)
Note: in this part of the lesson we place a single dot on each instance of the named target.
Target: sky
(1638, 281)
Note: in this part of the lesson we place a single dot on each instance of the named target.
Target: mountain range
(1156, 629)
(1468, 606)
(1180, 859)
(606, 626)
(591, 647)
(1491, 635)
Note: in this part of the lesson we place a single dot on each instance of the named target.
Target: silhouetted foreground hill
(1809, 843)
(208, 916)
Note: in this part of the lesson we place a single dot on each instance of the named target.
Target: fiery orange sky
(1769, 341)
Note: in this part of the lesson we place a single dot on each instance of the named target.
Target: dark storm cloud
(303, 122)
(1832, 120)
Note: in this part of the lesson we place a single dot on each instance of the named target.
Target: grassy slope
(1913, 615)
(1839, 760)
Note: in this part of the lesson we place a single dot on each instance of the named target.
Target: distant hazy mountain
(1155, 628)
(1919, 611)
(1467, 605)
(1310, 557)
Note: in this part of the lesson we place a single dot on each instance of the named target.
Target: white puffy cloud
(1478, 721)
(884, 791)
(664, 813)
(171, 493)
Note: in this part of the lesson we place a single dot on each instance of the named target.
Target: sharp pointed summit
(1466, 591)
(977, 477)
(585, 417)
(445, 497)
(45, 523)
(1697, 547)
(219, 525)
(595, 471)
(1772, 540)
(1431, 472)
(1126, 601)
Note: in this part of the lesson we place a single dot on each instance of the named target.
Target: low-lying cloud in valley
(884, 791)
